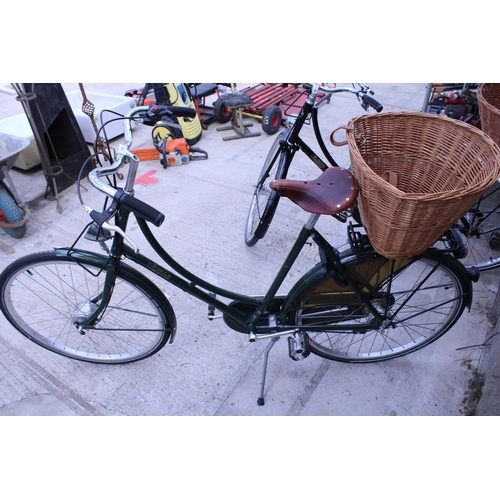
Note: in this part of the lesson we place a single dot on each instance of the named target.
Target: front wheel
(265, 200)
(420, 299)
(45, 296)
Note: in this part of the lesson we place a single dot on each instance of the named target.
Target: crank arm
(260, 336)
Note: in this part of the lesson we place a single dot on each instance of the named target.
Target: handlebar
(124, 197)
(142, 209)
(156, 112)
(361, 93)
(370, 101)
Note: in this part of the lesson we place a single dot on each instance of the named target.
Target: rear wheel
(265, 200)
(481, 227)
(421, 301)
(46, 297)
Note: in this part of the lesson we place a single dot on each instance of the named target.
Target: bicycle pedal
(298, 346)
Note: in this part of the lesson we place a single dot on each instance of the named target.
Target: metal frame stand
(235, 102)
(260, 401)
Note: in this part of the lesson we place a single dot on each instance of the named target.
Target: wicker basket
(488, 98)
(441, 167)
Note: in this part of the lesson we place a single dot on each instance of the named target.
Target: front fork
(91, 312)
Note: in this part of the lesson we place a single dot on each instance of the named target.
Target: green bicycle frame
(207, 292)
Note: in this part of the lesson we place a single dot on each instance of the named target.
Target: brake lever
(361, 101)
(100, 218)
(116, 229)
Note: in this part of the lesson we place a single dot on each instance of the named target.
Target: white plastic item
(116, 103)
(19, 126)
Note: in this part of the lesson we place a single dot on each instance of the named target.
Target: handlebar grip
(156, 112)
(183, 111)
(142, 209)
(373, 103)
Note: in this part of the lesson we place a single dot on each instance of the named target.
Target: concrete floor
(211, 370)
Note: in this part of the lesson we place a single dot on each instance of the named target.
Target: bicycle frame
(295, 142)
(101, 309)
(254, 322)
(310, 107)
(207, 292)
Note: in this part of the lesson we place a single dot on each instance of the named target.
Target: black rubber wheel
(11, 213)
(422, 301)
(271, 120)
(45, 296)
(264, 199)
(222, 114)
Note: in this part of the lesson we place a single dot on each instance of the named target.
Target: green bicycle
(354, 306)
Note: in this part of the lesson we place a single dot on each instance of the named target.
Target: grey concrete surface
(209, 369)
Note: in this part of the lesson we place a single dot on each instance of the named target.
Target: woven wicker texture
(441, 167)
(488, 98)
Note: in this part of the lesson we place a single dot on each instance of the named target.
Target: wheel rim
(263, 195)
(413, 326)
(264, 199)
(275, 120)
(46, 298)
(481, 226)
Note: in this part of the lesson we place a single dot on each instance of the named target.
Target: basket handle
(391, 178)
(342, 143)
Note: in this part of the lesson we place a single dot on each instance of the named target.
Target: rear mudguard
(350, 259)
(84, 256)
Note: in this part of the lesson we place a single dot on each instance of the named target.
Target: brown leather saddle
(332, 192)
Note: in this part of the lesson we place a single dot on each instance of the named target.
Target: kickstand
(260, 401)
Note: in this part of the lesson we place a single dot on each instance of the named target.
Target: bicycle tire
(264, 199)
(481, 228)
(422, 314)
(43, 294)
(10, 212)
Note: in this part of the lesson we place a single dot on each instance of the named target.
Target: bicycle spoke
(49, 301)
(481, 227)
(417, 305)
